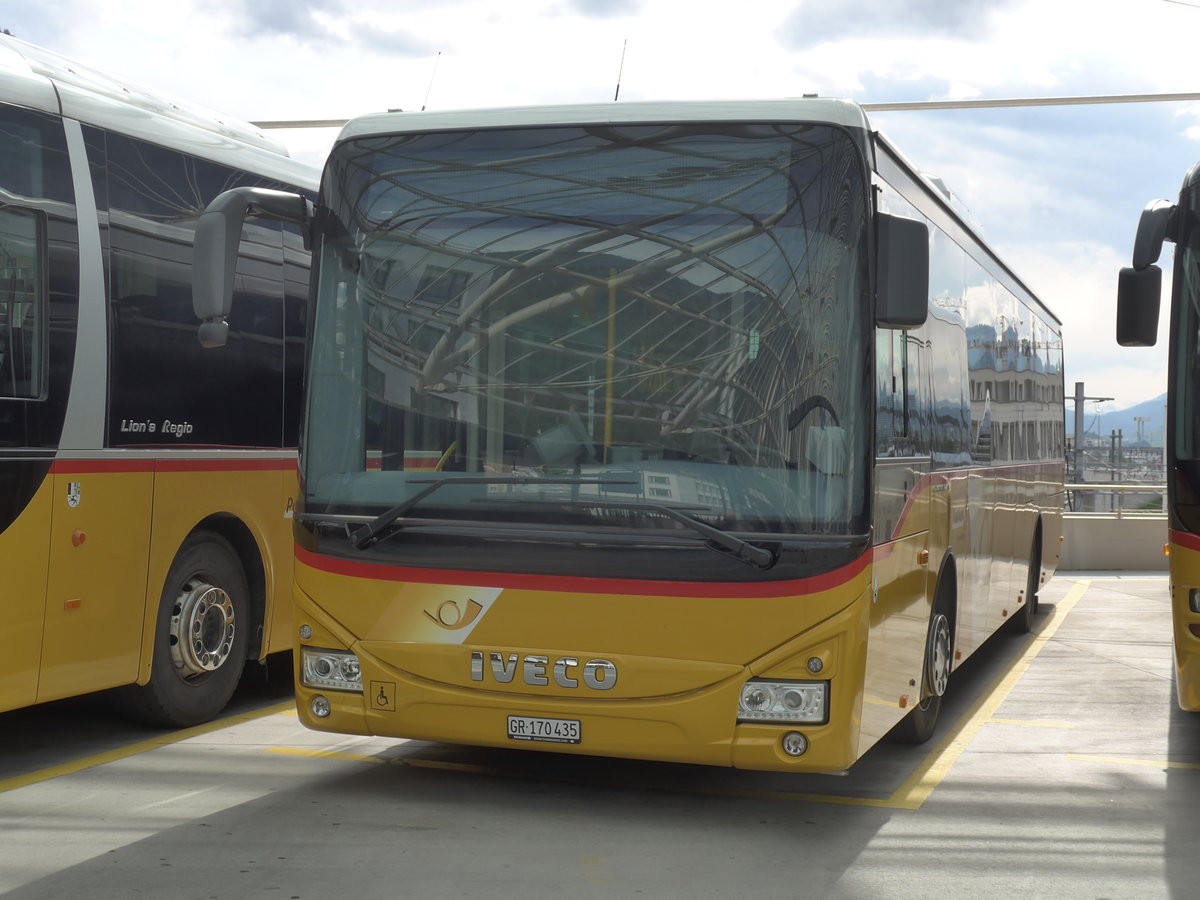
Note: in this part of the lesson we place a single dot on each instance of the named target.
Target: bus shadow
(65, 731)
(456, 822)
(1181, 864)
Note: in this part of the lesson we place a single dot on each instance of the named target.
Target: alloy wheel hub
(203, 624)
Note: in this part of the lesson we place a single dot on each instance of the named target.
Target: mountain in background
(1102, 425)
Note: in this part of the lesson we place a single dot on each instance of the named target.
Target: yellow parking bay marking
(915, 790)
(1033, 723)
(1121, 761)
(323, 754)
(918, 786)
(174, 737)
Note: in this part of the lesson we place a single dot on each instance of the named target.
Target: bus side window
(896, 387)
(22, 303)
(233, 397)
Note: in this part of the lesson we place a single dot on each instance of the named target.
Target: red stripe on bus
(565, 584)
(96, 466)
(945, 476)
(1184, 539)
(101, 466)
(220, 465)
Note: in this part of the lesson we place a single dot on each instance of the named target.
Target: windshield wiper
(373, 531)
(718, 540)
(715, 539)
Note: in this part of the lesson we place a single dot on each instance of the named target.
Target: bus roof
(39, 79)
(805, 109)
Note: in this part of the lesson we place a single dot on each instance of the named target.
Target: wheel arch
(250, 557)
(945, 592)
(1037, 556)
(1039, 550)
(919, 723)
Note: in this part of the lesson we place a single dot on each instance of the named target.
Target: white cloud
(1078, 280)
(816, 22)
(1058, 190)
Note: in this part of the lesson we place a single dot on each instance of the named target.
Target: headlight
(336, 670)
(785, 702)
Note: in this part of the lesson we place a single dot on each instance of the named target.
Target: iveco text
(598, 674)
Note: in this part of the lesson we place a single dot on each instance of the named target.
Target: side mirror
(1138, 294)
(1139, 288)
(902, 272)
(215, 250)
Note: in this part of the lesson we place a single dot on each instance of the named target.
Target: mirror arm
(215, 250)
(1155, 226)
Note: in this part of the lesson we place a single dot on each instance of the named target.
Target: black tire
(1023, 621)
(918, 726)
(199, 638)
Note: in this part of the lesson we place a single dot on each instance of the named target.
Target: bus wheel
(918, 726)
(1022, 622)
(199, 638)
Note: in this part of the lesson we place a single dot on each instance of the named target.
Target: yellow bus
(145, 486)
(700, 432)
(1139, 294)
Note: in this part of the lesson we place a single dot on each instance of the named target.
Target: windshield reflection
(675, 315)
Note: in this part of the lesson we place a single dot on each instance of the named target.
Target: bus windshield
(589, 326)
(1187, 329)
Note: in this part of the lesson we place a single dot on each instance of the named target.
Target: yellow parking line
(322, 754)
(1151, 763)
(174, 737)
(1033, 723)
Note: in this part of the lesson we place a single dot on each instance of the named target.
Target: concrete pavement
(1061, 769)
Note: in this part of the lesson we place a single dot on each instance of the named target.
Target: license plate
(533, 728)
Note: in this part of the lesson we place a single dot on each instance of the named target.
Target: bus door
(95, 598)
(38, 239)
(24, 485)
(900, 576)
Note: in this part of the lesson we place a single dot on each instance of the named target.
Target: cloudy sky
(1057, 189)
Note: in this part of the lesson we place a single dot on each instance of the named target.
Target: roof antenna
(431, 77)
(620, 69)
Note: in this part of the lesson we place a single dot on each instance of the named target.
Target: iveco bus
(705, 432)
